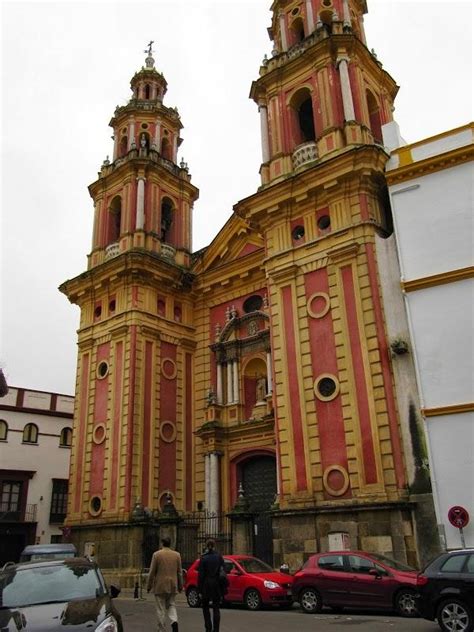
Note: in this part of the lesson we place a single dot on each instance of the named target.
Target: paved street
(139, 616)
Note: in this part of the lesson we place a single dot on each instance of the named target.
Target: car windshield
(254, 565)
(27, 586)
(398, 566)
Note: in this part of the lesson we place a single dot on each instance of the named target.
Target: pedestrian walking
(212, 585)
(165, 579)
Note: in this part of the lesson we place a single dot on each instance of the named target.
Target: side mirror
(235, 571)
(375, 573)
(114, 591)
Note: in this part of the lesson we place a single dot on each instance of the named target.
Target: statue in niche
(261, 389)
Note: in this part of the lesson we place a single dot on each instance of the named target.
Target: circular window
(95, 505)
(336, 480)
(253, 304)
(318, 305)
(168, 368)
(124, 130)
(102, 370)
(324, 222)
(326, 387)
(297, 233)
(168, 431)
(144, 125)
(98, 311)
(112, 305)
(98, 434)
(327, 3)
(295, 11)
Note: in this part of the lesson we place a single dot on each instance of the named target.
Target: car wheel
(252, 599)
(454, 616)
(405, 603)
(310, 600)
(192, 596)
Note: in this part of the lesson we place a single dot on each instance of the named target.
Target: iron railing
(12, 514)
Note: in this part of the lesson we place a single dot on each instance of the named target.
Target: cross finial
(149, 49)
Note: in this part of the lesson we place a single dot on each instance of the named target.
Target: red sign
(458, 517)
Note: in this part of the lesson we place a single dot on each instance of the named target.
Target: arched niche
(301, 106)
(114, 219)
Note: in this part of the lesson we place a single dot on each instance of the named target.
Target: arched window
(326, 19)
(166, 149)
(166, 219)
(147, 91)
(302, 106)
(114, 220)
(297, 31)
(30, 433)
(123, 146)
(65, 439)
(3, 430)
(374, 116)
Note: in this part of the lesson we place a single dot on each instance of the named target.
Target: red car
(355, 579)
(251, 582)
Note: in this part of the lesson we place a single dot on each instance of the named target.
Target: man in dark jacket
(212, 585)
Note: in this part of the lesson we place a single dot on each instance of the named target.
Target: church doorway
(258, 477)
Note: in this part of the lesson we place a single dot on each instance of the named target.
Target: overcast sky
(66, 65)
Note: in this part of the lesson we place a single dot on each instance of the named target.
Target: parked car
(56, 595)
(355, 579)
(446, 591)
(34, 552)
(251, 582)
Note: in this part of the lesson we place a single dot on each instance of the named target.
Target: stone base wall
(383, 529)
(118, 549)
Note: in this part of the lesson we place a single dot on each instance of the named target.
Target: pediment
(235, 241)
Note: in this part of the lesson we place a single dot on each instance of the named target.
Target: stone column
(131, 134)
(346, 15)
(347, 101)
(95, 230)
(269, 373)
(207, 481)
(140, 219)
(219, 383)
(230, 390)
(214, 482)
(116, 144)
(175, 147)
(236, 382)
(284, 40)
(310, 16)
(262, 108)
(157, 135)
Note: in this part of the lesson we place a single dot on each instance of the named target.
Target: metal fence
(196, 528)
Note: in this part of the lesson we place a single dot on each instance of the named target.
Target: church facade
(254, 377)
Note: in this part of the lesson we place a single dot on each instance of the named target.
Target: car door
(371, 585)
(332, 578)
(234, 591)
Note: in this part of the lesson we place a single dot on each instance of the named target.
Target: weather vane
(149, 49)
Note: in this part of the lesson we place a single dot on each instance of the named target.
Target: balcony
(112, 250)
(8, 513)
(304, 154)
(168, 252)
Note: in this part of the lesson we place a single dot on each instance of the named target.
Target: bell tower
(134, 395)
(321, 208)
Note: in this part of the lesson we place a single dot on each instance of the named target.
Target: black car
(53, 595)
(446, 591)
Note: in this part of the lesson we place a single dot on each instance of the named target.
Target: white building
(431, 193)
(35, 440)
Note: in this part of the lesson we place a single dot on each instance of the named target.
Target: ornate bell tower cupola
(143, 199)
(331, 93)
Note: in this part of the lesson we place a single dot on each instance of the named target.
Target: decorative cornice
(438, 279)
(453, 409)
(430, 165)
(346, 251)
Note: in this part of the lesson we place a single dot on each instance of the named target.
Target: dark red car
(355, 579)
(251, 582)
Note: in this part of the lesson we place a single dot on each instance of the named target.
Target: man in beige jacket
(165, 579)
